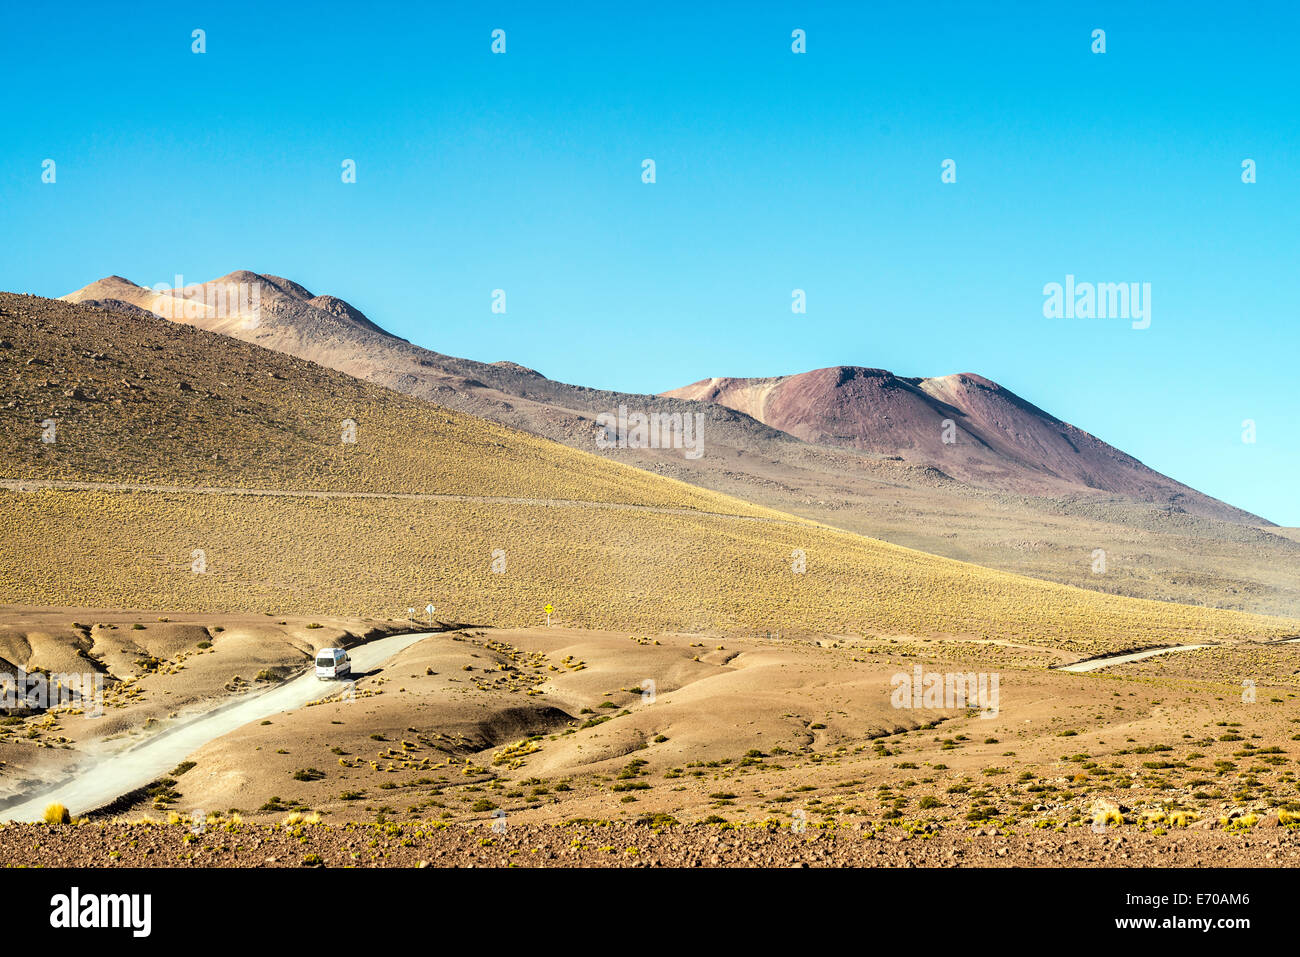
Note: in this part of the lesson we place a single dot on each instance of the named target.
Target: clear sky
(522, 171)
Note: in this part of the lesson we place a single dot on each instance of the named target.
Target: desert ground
(298, 842)
(559, 746)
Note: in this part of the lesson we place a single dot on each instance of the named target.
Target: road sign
(548, 609)
(429, 610)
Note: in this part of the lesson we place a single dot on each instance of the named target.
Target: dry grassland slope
(140, 399)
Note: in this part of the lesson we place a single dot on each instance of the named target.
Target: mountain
(171, 442)
(331, 332)
(998, 440)
(965, 425)
(1016, 498)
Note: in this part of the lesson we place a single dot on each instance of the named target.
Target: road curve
(1093, 664)
(104, 779)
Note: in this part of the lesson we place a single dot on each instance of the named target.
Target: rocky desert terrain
(300, 842)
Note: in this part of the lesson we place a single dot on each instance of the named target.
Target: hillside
(141, 401)
(137, 399)
(1165, 541)
(1000, 441)
(329, 331)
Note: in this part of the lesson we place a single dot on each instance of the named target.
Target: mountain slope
(331, 332)
(131, 398)
(1001, 441)
(1164, 541)
(698, 561)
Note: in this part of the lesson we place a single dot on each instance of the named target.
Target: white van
(333, 663)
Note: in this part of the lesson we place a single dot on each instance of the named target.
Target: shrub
(1107, 814)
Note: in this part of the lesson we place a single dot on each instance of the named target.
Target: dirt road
(104, 778)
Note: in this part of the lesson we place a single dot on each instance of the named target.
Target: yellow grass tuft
(1106, 814)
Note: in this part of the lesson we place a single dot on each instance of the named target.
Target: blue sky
(775, 171)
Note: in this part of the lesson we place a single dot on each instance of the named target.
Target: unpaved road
(105, 778)
(1093, 664)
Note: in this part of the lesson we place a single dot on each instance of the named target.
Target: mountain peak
(965, 424)
(110, 287)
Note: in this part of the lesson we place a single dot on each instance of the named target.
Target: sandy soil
(541, 726)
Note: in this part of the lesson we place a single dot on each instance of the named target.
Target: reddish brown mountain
(970, 428)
